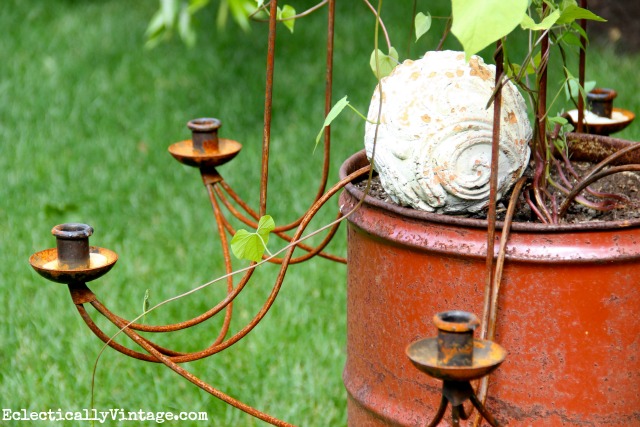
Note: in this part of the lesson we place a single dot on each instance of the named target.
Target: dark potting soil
(626, 184)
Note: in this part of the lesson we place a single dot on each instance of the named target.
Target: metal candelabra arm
(86, 267)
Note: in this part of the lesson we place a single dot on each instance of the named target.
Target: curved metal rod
(311, 252)
(318, 250)
(196, 320)
(283, 269)
(171, 362)
(111, 343)
(267, 118)
(253, 224)
(227, 265)
(197, 381)
(224, 304)
(276, 288)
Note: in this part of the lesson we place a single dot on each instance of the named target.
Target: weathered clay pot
(568, 315)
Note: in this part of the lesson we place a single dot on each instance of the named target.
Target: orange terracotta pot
(568, 315)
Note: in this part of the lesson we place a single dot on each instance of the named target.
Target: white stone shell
(433, 149)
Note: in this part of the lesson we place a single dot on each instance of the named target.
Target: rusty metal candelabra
(454, 357)
(74, 262)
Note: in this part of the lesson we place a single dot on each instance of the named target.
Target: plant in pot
(558, 295)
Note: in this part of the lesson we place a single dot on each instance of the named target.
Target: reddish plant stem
(582, 68)
(491, 216)
(493, 190)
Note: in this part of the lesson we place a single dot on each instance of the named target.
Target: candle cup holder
(72, 242)
(204, 134)
(601, 118)
(456, 358)
(73, 260)
(600, 101)
(205, 149)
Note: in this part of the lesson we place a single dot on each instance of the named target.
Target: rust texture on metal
(570, 322)
(581, 276)
(597, 148)
(456, 358)
(455, 337)
(600, 101)
(184, 152)
(204, 134)
(45, 263)
(207, 151)
(72, 242)
(80, 293)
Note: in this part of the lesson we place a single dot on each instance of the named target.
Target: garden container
(568, 314)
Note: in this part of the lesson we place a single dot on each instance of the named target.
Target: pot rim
(359, 160)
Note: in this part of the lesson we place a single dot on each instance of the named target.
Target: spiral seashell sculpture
(433, 149)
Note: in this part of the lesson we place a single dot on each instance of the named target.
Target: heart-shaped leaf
(252, 246)
(422, 23)
(333, 113)
(478, 23)
(287, 12)
(386, 63)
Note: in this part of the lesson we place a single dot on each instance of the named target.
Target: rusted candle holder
(600, 101)
(72, 242)
(205, 149)
(601, 118)
(455, 337)
(456, 358)
(204, 134)
(73, 260)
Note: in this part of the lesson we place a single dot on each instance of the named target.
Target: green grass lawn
(86, 117)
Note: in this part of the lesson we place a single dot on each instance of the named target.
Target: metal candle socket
(72, 242)
(600, 101)
(456, 358)
(455, 337)
(204, 134)
(73, 261)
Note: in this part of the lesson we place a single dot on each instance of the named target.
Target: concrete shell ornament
(434, 139)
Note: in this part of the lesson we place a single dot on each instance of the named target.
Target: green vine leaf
(252, 246)
(565, 127)
(386, 63)
(572, 88)
(548, 22)
(513, 70)
(287, 12)
(422, 24)
(478, 23)
(573, 12)
(335, 111)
